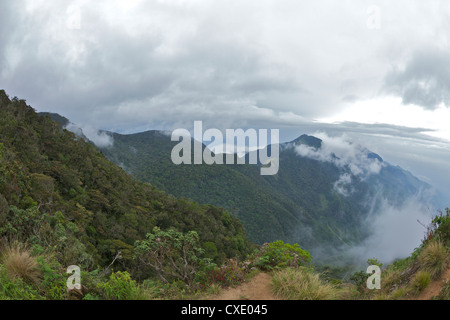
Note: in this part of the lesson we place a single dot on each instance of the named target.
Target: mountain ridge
(307, 201)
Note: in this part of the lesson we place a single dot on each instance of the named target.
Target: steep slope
(57, 191)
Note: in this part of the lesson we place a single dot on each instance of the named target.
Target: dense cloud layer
(424, 81)
(129, 66)
(134, 65)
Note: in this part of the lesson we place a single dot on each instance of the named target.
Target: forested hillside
(59, 192)
(300, 204)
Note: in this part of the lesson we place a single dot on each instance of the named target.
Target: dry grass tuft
(302, 284)
(434, 259)
(19, 263)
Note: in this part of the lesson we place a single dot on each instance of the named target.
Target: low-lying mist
(395, 232)
(393, 227)
(100, 138)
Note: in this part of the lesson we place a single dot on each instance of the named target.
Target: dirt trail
(258, 288)
(433, 288)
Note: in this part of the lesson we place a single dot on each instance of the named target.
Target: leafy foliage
(120, 286)
(229, 274)
(270, 208)
(61, 193)
(278, 254)
(359, 278)
(439, 229)
(171, 254)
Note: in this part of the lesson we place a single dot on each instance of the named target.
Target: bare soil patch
(434, 288)
(257, 288)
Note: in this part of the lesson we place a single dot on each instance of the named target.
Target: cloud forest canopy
(58, 190)
(325, 195)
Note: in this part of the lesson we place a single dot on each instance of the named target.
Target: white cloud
(344, 185)
(99, 138)
(392, 110)
(293, 59)
(339, 150)
(396, 232)
(130, 66)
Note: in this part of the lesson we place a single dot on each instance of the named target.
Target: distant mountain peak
(372, 155)
(308, 140)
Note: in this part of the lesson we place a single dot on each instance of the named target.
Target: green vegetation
(434, 258)
(171, 254)
(230, 273)
(303, 284)
(420, 281)
(271, 208)
(19, 263)
(407, 278)
(278, 255)
(297, 205)
(62, 203)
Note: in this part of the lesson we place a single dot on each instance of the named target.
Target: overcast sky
(131, 65)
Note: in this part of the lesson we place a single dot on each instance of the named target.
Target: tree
(43, 189)
(171, 254)
(4, 209)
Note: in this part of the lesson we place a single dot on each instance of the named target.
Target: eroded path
(258, 288)
(434, 288)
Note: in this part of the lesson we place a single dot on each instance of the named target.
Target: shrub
(302, 284)
(15, 288)
(4, 209)
(171, 254)
(439, 229)
(278, 254)
(120, 286)
(158, 290)
(359, 278)
(434, 258)
(229, 274)
(53, 283)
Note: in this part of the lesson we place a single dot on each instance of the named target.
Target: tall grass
(434, 259)
(420, 281)
(302, 284)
